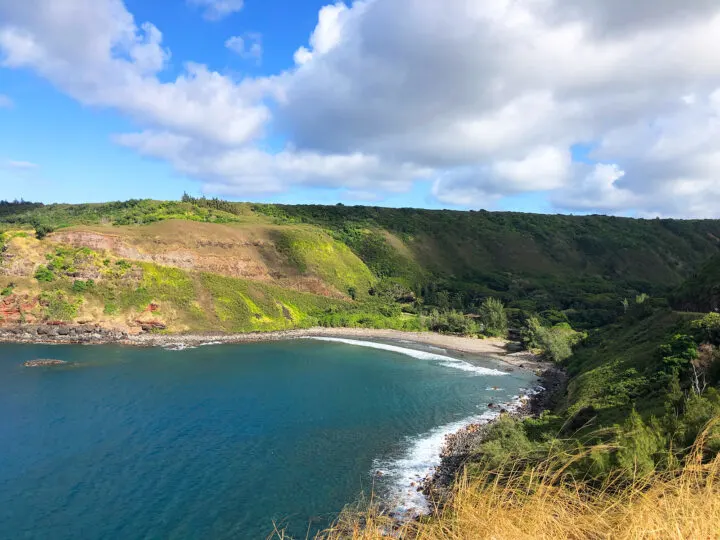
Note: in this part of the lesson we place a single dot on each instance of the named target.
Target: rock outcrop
(81, 333)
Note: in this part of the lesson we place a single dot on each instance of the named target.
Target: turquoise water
(218, 441)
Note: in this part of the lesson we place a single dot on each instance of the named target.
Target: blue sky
(497, 105)
(71, 143)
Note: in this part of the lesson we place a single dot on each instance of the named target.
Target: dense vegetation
(702, 291)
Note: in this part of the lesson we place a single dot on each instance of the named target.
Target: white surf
(444, 360)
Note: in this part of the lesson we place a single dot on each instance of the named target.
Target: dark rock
(43, 362)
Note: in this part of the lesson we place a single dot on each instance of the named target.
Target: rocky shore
(48, 333)
(460, 446)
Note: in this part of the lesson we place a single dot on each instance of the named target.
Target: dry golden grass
(535, 504)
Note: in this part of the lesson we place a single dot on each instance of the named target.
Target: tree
(679, 353)
(493, 317)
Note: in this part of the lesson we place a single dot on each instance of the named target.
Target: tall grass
(545, 502)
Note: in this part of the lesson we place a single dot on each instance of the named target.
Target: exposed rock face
(84, 333)
(16, 308)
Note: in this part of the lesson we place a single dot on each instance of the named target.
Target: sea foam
(403, 476)
(443, 360)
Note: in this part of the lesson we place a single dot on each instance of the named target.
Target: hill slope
(701, 292)
(583, 266)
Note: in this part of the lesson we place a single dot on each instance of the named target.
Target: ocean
(226, 441)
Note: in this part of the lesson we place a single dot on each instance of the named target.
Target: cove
(223, 441)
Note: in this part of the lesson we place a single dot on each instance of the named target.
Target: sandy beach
(492, 347)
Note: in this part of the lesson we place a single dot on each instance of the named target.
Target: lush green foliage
(58, 306)
(555, 342)
(43, 273)
(700, 293)
(679, 352)
(638, 387)
(494, 318)
(313, 252)
(451, 322)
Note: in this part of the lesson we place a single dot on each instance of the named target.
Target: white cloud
(544, 168)
(327, 33)
(248, 46)
(494, 95)
(94, 51)
(487, 99)
(248, 170)
(596, 189)
(23, 165)
(215, 10)
(6, 102)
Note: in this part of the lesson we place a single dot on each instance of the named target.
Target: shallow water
(221, 441)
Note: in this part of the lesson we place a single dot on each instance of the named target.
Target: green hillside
(701, 292)
(576, 269)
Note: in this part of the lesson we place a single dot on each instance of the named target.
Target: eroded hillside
(178, 275)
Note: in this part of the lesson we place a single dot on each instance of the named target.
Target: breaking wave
(442, 359)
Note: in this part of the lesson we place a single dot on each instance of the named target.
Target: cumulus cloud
(95, 52)
(248, 46)
(6, 102)
(486, 99)
(248, 170)
(215, 10)
(494, 96)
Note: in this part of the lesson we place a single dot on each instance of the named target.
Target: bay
(221, 441)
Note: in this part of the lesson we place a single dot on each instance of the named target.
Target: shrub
(451, 322)
(7, 291)
(42, 230)
(43, 273)
(80, 286)
(637, 446)
(59, 307)
(556, 342)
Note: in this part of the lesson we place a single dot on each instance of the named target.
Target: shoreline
(96, 335)
(459, 447)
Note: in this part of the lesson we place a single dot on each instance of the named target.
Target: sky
(555, 106)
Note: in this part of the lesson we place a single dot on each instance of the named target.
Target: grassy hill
(360, 265)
